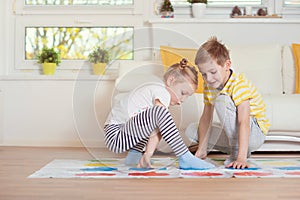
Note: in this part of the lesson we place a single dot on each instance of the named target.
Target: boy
(240, 109)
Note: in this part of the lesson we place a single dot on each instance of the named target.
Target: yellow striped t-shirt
(239, 89)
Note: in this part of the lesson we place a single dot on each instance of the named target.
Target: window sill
(58, 78)
(228, 20)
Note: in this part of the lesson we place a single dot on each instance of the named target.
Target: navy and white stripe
(135, 133)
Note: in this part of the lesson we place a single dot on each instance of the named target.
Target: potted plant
(99, 57)
(198, 7)
(166, 9)
(49, 58)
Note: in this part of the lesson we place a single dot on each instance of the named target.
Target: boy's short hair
(212, 49)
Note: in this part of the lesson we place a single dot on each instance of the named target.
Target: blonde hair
(212, 50)
(181, 72)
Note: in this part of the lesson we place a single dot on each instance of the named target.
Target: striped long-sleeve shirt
(239, 89)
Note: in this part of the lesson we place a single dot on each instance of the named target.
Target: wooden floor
(16, 163)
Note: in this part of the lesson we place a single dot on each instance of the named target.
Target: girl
(142, 118)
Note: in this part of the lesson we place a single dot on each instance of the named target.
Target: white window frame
(285, 10)
(68, 21)
(212, 11)
(277, 6)
(76, 16)
(22, 9)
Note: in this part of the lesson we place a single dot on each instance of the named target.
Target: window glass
(74, 28)
(75, 43)
(222, 2)
(179, 2)
(233, 3)
(79, 2)
(292, 3)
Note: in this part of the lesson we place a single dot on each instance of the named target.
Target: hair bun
(183, 63)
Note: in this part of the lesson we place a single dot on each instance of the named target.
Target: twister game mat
(166, 168)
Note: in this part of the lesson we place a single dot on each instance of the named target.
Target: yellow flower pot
(99, 68)
(49, 68)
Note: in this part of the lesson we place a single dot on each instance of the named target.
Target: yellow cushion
(296, 51)
(171, 55)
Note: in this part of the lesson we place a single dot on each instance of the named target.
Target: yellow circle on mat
(99, 164)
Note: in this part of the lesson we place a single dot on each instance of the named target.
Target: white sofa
(270, 67)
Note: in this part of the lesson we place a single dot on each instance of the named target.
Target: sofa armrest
(283, 112)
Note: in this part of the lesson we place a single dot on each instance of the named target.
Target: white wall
(2, 38)
(2, 64)
(1, 117)
(192, 33)
(64, 111)
(54, 112)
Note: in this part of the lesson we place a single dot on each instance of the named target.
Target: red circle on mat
(293, 173)
(95, 174)
(252, 174)
(201, 174)
(147, 174)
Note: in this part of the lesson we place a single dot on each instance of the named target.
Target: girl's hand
(238, 164)
(201, 154)
(145, 161)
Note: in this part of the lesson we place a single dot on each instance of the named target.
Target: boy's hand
(238, 164)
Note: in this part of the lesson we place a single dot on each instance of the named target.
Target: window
(222, 8)
(179, 2)
(217, 8)
(287, 3)
(216, 3)
(292, 3)
(74, 27)
(75, 43)
(288, 7)
(78, 6)
(79, 2)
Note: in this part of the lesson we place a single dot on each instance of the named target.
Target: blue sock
(190, 162)
(133, 157)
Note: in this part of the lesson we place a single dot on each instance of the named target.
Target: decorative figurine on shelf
(167, 10)
(236, 11)
(262, 12)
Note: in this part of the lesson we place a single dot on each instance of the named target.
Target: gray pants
(223, 136)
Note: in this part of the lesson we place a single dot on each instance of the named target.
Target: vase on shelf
(99, 68)
(49, 68)
(198, 10)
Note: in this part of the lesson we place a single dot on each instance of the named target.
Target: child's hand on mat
(201, 154)
(238, 164)
(145, 161)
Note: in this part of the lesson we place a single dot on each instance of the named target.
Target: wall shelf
(256, 16)
(58, 78)
(223, 21)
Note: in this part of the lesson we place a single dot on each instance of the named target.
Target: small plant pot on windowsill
(99, 58)
(49, 58)
(49, 68)
(99, 68)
